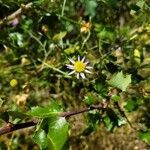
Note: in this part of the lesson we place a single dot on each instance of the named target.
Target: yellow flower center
(13, 82)
(79, 66)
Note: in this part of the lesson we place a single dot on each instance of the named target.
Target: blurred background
(35, 45)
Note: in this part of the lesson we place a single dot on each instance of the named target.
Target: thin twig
(55, 69)
(13, 127)
(124, 115)
(86, 39)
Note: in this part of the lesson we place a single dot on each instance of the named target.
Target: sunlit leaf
(57, 132)
(41, 139)
(52, 133)
(59, 36)
(17, 37)
(140, 3)
(42, 112)
(48, 111)
(115, 98)
(120, 81)
(91, 98)
(69, 50)
(145, 136)
(108, 124)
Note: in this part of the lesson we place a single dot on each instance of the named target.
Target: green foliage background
(34, 81)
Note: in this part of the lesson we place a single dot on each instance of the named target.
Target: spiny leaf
(120, 81)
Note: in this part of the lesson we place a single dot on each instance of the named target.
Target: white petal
(71, 72)
(71, 60)
(82, 75)
(86, 62)
(89, 67)
(77, 75)
(78, 58)
(87, 71)
(70, 66)
(83, 59)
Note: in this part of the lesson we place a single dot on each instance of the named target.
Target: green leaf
(105, 32)
(140, 3)
(52, 133)
(120, 81)
(52, 110)
(17, 114)
(132, 12)
(110, 120)
(93, 119)
(89, 99)
(90, 7)
(92, 98)
(121, 121)
(59, 36)
(57, 132)
(100, 87)
(43, 112)
(93, 122)
(69, 50)
(115, 98)
(145, 136)
(4, 116)
(17, 38)
(131, 105)
(40, 137)
(13, 115)
(3, 145)
(108, 124)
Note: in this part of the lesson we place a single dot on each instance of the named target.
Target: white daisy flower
(79, 67)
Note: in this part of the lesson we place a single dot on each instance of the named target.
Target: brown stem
(69, 114)
(124, 115)
(15, 14)
(12, 127)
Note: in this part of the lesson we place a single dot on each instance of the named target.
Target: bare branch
(13, 127)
